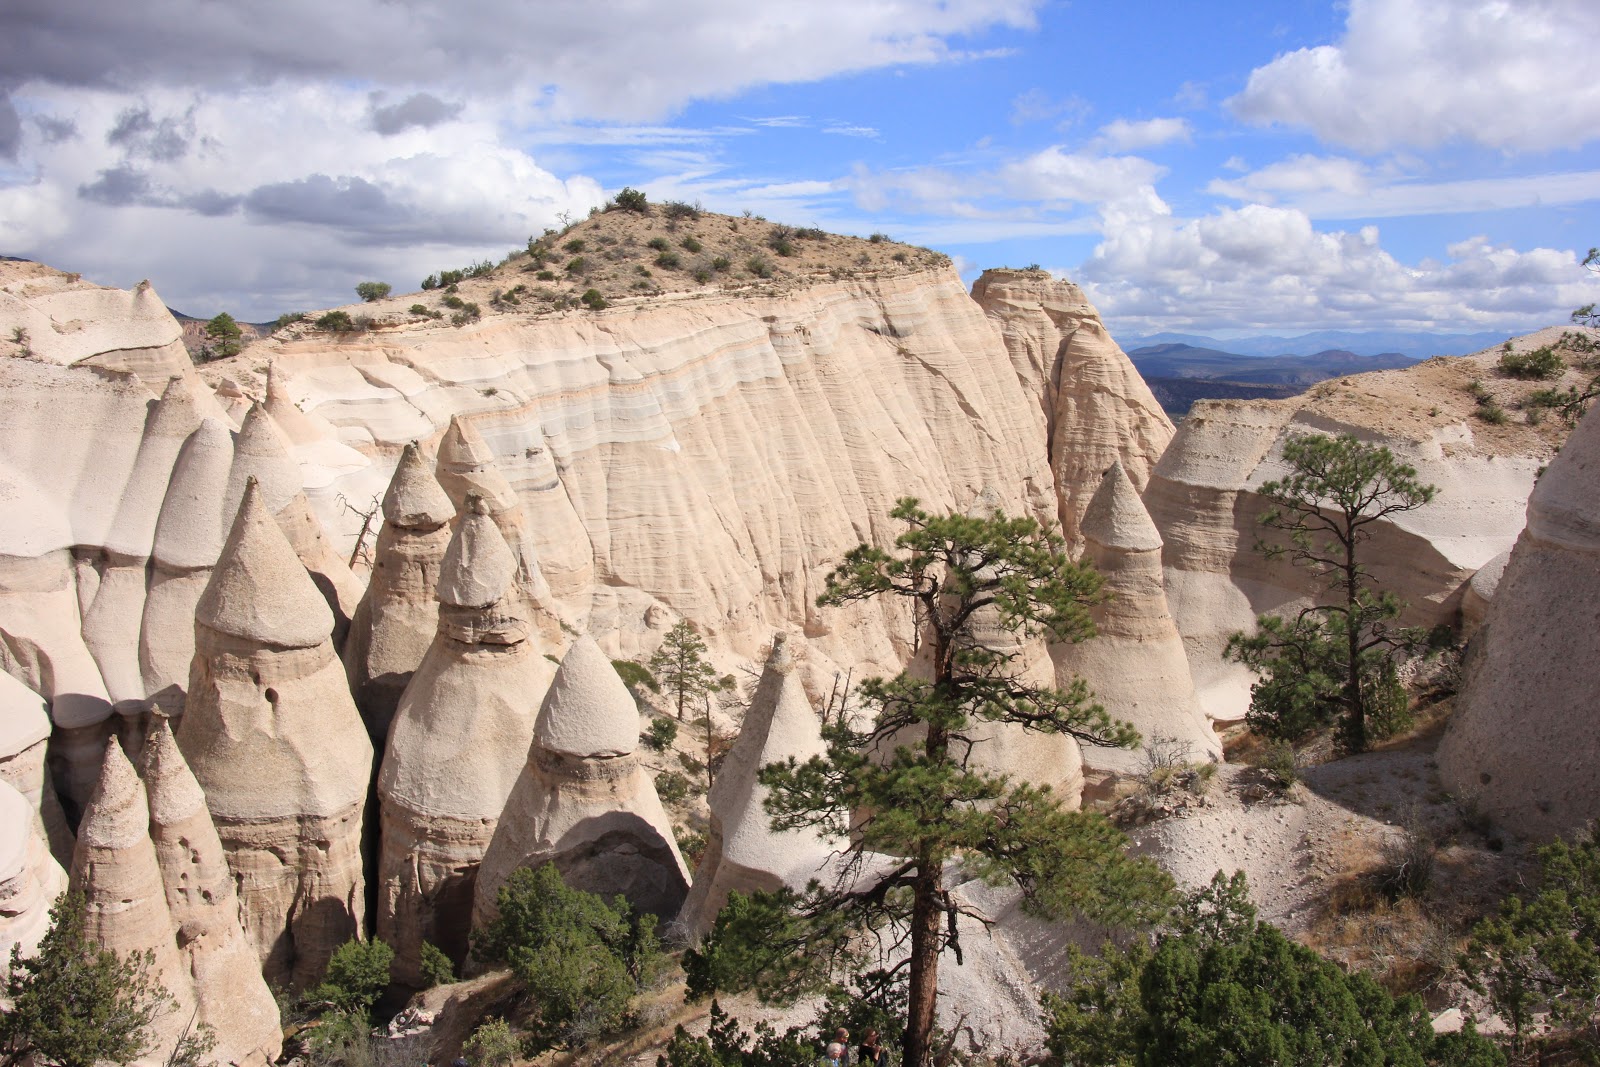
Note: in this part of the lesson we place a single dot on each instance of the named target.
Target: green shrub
(341, 1039)
(659, 244)
(691, 246)
(1540, 364)
(546, 276)
(358, 973)
(878, 238)
(759, 266)
(420, 309)
(336, 322)
(575, 246)
(671, 786)
(782, 245)
(593, 300)
(436, 967)
(721, 263)
(372, 291)
(480, 268)
(1491, 412)
(468, 312)
(631, 199)
(636, 675)
(668, 261)
(660, 735)
(577, 265)
(701, 275)
(1278, 760)
(900, 257)
(580, 958)
(677, 210)
(287, 318)
(810, 233)
(454, 302)
(493, 1044)
(431, 282)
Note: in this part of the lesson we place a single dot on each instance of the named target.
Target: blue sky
(1223, 168)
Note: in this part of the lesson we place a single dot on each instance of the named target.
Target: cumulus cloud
(1426, 72)
(1269, 267)
(1124, 135)
(421, 111)
(10, 128)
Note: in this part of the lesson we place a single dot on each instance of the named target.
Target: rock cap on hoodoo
(176, 414)
(260, 590)
(260, 452)
(464, 446)
(118, 815)
(588, 712)
(467, 465)
(415, 497)
(1116, 517)
(478, 567)
(174, 793)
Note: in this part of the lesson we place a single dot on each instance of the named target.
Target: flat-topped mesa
(1135, 665)
(30, 877)
(111, 623)
(1097, 407)
(261, 452)
(459, 741)
(188, 537)
(583, 800)
(467, 465)
(115, 868)
(743, 852)
(1521, 743)
(273, 736)
(233, 997)
(395, 623)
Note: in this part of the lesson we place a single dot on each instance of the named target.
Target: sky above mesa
(1222, 168)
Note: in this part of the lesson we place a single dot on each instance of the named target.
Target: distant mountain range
(1179, 374)
(1359, 342)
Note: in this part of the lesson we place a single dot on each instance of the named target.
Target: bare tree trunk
(922, 1000)
(1357, 732)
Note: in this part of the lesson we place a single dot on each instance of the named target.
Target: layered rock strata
(743, 852)
(232, 996)
(115, 868)
(1097, 410)
(274, 738)
(584, 801)
(460, 740)
(396, 622)
(1135, 664)
(1521, 744)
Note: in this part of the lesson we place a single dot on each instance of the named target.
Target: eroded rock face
(1097, 410)
(395, 624)
(459, 742)
(583, 800)
(232, 997)
(116, 869)
(30, 877)
(1522, 741)
(743, 852)
(274, 738)
(1135, 664)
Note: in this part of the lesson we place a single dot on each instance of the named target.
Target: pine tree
(225, 335)
(1333, 662)
(680, 665)
(905, 794)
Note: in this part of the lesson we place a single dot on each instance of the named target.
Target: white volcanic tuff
(1135, 664)
(24, 734)
(1522, 741)
(583, 800)
(460, 738)
(274, 738)
(69, 322)
(115, 867)
(30, 877)
(232, 996)
(743, 852)
(619, 433)
(1097, 410)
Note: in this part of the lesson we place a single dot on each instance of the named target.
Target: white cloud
(1269, 267)
(1509, 74)
(1124, 135)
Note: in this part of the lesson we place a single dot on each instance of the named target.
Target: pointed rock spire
(588, 713)
(467, 465)
(1116, 518)
(260, 452)
(176, 414)
(478, 566)
(118, 816)
(259, 590)
(296, 425)
(415, 498)
(190, 530)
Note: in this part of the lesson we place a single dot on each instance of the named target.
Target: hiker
(872, 1053)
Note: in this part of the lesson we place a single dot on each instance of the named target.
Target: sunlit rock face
(274, 738)
(584, 801)
(459, 741)
(1521, 744)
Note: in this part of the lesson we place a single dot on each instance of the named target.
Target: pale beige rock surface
(1097, 409)
(743, 852)
(274, 738)
(116, 869)
(1135, 664)
(395, 623)
(1522, 742)
(30, 877)
(232, 997)
(583, 800)
(460, 740)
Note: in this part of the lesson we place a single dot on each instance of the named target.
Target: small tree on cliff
(1332, 663)
(224, 337)
(680, 665)
(904, 792)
